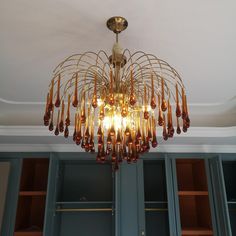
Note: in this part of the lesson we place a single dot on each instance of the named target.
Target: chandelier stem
(117, 37)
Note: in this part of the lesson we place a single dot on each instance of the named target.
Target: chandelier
(116, 101)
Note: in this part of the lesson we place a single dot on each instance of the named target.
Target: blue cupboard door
(50, 219)
(83, 198)
(9, 215)
(170, 197)
(229, 176)
(130, 200)
(156, 200)
(219, 197)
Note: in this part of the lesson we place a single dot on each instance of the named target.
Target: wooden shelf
(33, 193)
(28, 233)
(32, 197)
(193, 193)
(196, 231)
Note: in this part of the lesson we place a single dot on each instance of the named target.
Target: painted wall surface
(4, 173)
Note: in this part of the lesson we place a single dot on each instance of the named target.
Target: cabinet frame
(205, 157)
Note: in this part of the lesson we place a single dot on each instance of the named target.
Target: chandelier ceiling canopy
(116, 101)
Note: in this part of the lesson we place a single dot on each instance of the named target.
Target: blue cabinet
(156, 204)
(83, 199)
(152, 197)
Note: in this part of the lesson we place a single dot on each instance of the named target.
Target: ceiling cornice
(199, 140)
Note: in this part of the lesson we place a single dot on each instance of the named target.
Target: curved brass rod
(160, 62)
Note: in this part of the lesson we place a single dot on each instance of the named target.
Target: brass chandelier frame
(136, 85)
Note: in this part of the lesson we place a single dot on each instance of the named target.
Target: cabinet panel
(156, 205)
(229, 169)
(86, 223)
(4, 174)
(83, 181)
(85, 199)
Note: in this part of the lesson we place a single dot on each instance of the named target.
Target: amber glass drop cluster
(116, 108)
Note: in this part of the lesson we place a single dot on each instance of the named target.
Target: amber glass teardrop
(56, 130)
(86, 135)
(178, 131)
(109, 140)
(50, 104)
(61, 126)
(183, 105)
(102, 113)
(160, 118)
(58, 101)
(132, 100)
(130, 140)
(51, 126)
(146, 115)
(165, 135)
(163, 103)
(66, 132)
(112, 130)
(124, 111)
(94, 101)
(67, 121)
(153, 103)
(99, 133)
(118, 139)
(127, 131)
(139, 136)
(75, 97)
(154, 140)
(111, 99)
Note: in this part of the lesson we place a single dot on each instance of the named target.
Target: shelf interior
(32, 197)
(229, 169)
(34, 174)
(30, 214)
(194, 206)
(156, 205)
(85, 198)
(85, 182)
(195, 212)
(191, 175)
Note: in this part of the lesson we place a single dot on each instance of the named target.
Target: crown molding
(187, 142)
(197, 132)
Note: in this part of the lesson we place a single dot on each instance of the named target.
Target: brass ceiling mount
(117, 24)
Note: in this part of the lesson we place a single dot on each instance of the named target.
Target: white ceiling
(198, 38)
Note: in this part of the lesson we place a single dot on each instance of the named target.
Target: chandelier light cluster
(117, 101)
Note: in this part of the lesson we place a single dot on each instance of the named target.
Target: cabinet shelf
(33, 193)
(196, 231)
(193, 193)
(83, 203)
(155, 202)
(28, 233)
